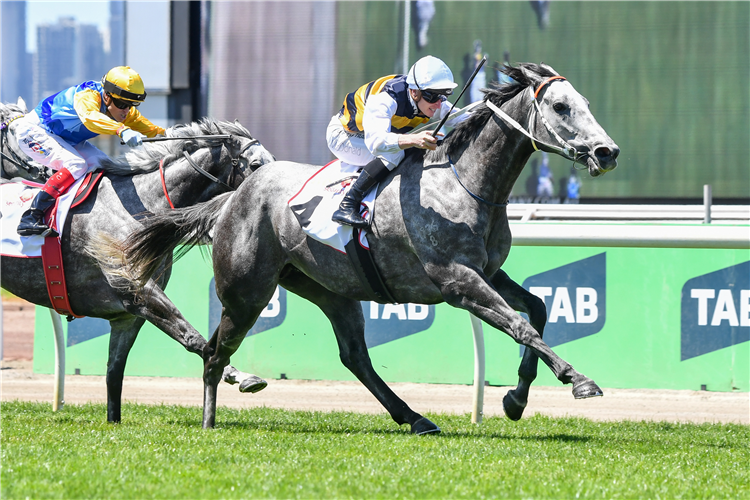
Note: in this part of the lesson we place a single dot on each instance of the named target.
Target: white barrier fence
(639, 226)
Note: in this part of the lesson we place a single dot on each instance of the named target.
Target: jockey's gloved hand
(131, 137)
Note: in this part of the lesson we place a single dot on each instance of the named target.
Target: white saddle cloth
(15, 199)
(320, 196)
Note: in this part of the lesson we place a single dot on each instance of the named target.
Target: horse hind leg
(348, 323)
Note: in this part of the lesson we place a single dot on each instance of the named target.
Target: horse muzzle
(603, 159)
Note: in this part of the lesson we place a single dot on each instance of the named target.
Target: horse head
(562, 117)
(246, 152)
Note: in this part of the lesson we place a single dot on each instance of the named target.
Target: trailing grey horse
(133, 186)
(440, 234)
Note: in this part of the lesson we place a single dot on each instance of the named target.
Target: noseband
(566, 151)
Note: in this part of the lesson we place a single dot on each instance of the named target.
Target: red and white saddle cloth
(320, 196)
(15, 199)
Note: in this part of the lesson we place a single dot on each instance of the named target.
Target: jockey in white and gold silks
(371, 128)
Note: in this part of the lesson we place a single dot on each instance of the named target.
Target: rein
(567, 151)
(235, 163)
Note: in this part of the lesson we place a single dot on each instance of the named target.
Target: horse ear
(531, 76)
(549, 68)
(22, 104)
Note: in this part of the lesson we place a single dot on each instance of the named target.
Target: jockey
(370, 130)
(55, 134)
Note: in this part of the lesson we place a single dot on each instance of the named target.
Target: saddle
(313, 206)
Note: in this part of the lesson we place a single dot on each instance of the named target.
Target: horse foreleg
(348, 323)
(522, 300)
(121, 339)
(160, 311)
(467, 288)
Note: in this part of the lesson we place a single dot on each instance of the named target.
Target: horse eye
(559, 107)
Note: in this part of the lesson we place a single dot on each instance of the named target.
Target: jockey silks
(405, 118)
(79, 113)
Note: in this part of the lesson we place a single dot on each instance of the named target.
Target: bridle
(236, 170)
(566, 151)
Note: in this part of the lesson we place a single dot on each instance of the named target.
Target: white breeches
(350, 148)
(52, 151)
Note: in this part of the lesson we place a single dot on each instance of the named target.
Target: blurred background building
(667, 80)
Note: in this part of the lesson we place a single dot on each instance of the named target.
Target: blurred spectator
(541, 7)
(574, 185)
(425, 11)
(545, 185)
(480, 81)
(532, 181)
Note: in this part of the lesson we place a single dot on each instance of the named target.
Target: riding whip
(207, 137)
(471, 79)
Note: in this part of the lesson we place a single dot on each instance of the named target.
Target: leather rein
(566, 151)
(235, 164)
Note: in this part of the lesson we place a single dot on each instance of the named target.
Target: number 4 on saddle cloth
(16, 198)
(314, 204)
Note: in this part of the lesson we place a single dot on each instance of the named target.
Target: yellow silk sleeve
(87, 104)
(140, 123)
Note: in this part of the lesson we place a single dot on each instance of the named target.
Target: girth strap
(54, 276)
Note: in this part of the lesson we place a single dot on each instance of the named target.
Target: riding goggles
(122, 104)
(433, 96)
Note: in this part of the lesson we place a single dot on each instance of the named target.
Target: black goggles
(433, 96)
(121, 104)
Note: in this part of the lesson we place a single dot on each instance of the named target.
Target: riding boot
(32, 220)
(348, 212)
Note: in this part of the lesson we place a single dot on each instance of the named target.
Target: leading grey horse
(440, 234)
(148, 179)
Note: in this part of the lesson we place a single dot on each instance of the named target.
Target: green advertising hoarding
(653, 318)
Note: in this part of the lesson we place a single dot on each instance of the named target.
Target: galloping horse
(440, 233)
(193, 170)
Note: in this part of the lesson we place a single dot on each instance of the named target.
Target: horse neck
(495, 159)
(184, 186)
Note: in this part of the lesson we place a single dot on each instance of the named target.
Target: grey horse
(133, 186)
(440, 233)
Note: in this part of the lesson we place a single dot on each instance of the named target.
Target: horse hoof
(512, 407)
(587, 389)
(424, 426)
(253, 384)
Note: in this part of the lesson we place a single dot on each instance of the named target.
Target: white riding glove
(131, 137)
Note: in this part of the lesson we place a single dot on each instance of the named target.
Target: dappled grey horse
(133, 185)
(440, 234)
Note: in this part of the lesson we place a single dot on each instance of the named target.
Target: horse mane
(147, 157)
(467, 130)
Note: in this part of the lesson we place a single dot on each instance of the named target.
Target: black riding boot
(348, 212)
(32, 220)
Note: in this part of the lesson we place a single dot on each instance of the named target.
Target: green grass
(161, 452)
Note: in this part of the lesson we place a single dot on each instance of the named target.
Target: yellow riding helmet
(124, 83)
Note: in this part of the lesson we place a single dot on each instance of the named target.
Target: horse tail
(131, 263)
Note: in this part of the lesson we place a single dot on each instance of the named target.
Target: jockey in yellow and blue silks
(370, 130)
(56, 134)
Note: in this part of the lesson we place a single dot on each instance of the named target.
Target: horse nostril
(605, 152)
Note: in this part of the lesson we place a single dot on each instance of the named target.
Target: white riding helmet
(430, 73)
